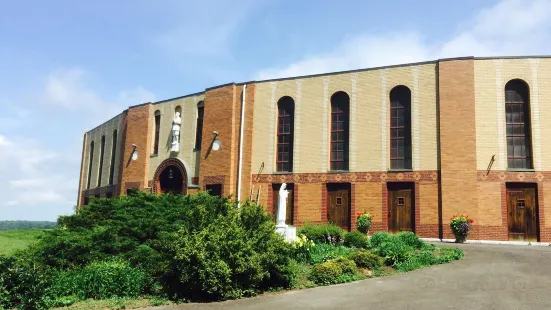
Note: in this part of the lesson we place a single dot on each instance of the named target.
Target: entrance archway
(170, 177)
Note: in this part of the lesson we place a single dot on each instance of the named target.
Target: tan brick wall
(248, 129)
(310, 203)
(221, 115)
(369, 199)
(82, 180)
(138, 131)
(369, 104)
(106, 129)
(489, 204)
(428, 200)
(457, 138)
(491, 75)
(187, 153)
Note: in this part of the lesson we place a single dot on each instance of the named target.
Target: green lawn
(11, 240)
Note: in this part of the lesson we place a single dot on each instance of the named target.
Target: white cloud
(40, 162)
(511, 27)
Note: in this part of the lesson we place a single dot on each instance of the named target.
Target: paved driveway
(490, 277)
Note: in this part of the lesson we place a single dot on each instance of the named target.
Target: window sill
(197, 150)
(153, 155)
(521, 170)
(283, 172)
(338, 171)
(399, 170)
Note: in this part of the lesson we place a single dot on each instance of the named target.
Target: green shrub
(326, 233)
(237, 255)
(323, 252)
(23, 283)
(326, 273)
(394, 251)
(410, 239)
(355, 239)
(100, 280)
(366, 259)
(347, 266)
(379, 237)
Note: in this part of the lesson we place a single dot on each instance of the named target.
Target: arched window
(199, 127)
(113, 153)
(90, 161)
(157, 129)
(101, 151)
(340, 103)
(517, 114)
(400, 128)
(285, 132)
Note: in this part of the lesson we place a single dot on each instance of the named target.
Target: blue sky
(67, 66)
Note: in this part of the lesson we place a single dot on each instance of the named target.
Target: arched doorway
(170, 177)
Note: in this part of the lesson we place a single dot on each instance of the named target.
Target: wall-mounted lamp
(216, 144)
(134, 152)
(170, 174)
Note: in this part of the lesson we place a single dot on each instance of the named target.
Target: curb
(489, 242)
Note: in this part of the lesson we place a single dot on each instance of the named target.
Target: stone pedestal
(288, 232)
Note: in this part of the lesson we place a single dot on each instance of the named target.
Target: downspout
(240, 164)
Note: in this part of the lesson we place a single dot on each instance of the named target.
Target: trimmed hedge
(326, 233)
(366, 259)
(356, 239)
(333, 271)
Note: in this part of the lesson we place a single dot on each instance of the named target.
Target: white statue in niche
(282, 205)
(287, 231)
(176, 124)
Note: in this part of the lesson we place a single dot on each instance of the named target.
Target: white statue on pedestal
(288, 232)
(176, 124)
(282, 205)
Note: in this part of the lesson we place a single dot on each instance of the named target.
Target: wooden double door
(338, 205)
(401, 207)
(522, 214)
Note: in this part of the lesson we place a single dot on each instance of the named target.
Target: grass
(12, 240)
(118, 303)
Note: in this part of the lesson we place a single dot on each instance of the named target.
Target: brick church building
(412, 144)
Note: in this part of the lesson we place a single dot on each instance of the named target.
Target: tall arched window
(517, 114)
(101, 151)
(113, 153)
(157, 129)
(340, 103)
(199, 127)
(400, 128)
(285, 132)
(90, 161)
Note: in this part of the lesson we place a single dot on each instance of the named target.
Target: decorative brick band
(99, 190)
(514, 176)
(303, 178)
(214, 179)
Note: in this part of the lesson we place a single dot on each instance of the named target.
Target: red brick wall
(137, 131)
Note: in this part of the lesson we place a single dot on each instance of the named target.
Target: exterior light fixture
(170, 174)
(216, 145)
(134, 152)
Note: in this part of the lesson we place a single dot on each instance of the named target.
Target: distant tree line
(15, 225)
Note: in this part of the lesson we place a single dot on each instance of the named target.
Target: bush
(355, 239)
(327, 233)
(323, 252)
(302, 249)
(379, 238)
(23, 283)
(366, 259)
(410, 239)
(237, 255)
(100, 280)
(326, 273)
(394, 251)
(347, 266)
